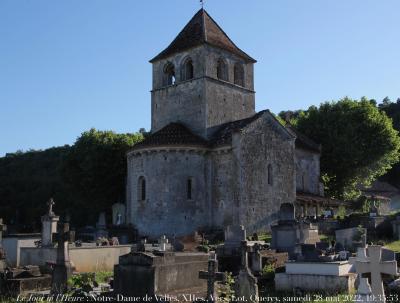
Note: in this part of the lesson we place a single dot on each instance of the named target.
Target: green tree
(27, 181)
(96, 169)
(392, 109)
(358, 141)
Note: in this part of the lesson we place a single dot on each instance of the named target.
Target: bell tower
(202, 79)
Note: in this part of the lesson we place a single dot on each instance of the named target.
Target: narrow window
(189, 188)
(142, 189)
(238, 73)
(221, 70)
(169, 74)
(269, 174)
(188, 70)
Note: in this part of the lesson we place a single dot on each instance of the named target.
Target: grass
(103, 276)
(264, 237)
(395, 246)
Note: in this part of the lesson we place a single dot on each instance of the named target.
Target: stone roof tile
(202, 29)
(172, 134)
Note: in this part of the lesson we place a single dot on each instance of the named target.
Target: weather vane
(202, 3)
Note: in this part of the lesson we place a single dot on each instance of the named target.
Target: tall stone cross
(50, 204)
(63, 268)
(244, 252)
(373, 264)
(212, 276)
(246, 283)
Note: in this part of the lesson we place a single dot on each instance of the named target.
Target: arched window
(238, 73)
(270, 172)
(222, 72)
(141, 189)
(187, 69)
(189, 189)
(169, 74)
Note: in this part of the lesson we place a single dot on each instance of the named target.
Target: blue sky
(69, 65)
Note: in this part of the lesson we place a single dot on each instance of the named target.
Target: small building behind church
(211, 160)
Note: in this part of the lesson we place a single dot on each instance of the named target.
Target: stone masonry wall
(307, 171)
(261, 144)
(166, 209)
(204, 101)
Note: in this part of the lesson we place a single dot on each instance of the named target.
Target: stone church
(211, 160)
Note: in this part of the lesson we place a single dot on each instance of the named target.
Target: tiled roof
(178, 134)
(307, 198)
(224, 133)
(172, 134)
(303, 141)
(202, 29)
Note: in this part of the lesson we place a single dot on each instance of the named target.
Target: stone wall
(13, 245)
(329, 284)
(263, 143)
(307, 171)
(225, 202)
(166, 209)
(230, 183)
(204, 101)
(85, 259)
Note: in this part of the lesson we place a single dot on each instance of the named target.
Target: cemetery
(217, 203)
(299, 262)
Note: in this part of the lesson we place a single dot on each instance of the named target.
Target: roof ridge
(204, 24)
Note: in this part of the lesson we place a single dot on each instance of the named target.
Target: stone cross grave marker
(246, 283)
(256, 260)
(50, 204)
(373, 264)
(63, 268)
(212, 276)
(163, 243)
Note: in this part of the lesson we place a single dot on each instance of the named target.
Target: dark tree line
(84, 179)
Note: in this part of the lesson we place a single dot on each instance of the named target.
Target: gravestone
(309, 252)
(256, 259)
(101, 226)
(370, 261)
(49, 225)
(212, 276)
(234, 235)
(246, 284)
(118, 214)
(148, 273)
(351, 238)
(287, 212)
(364, 291)
(162, 242)
(289, 233)
(63, 268)
(396, 228)
(3, 264)
(23, 280)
